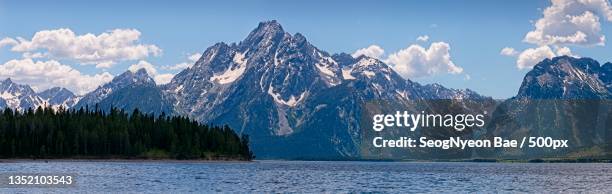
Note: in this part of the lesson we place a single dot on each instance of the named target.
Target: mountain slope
(289, 95)
(17, 96)
(128, 91)
(57, 97)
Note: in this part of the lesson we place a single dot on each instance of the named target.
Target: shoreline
(167, 160)
(118, 160)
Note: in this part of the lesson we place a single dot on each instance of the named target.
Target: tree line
(93, 133)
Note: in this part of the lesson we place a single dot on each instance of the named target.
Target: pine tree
(61, 133)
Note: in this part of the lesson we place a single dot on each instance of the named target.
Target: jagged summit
(266, 33)
(128, 79)
(566, 77)
(55, 91)
(7, 80)
(269, 26)
(266, 28)
(18, 96)
(58, 96)
(140, 76)
(11, 87)
(142, 72)
(586, 64)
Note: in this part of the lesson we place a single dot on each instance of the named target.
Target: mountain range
(293, 99)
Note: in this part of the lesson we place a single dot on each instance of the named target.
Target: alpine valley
(296, 101)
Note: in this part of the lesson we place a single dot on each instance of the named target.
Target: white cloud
(423, 38)
(191, 59)
(416, 61)
(571, 22)
(530, 57)
(159, 78)
(194, 57)
(564, 51)
(29, 55)
(46, 74)
(508, 51)
(564, 23)
(143, 64)
(7, 42)
(163, 78)
(373, 51)
(104, 49)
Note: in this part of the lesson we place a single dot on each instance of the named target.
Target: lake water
(312, 176)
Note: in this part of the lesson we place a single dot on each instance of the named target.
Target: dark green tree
(93, 133)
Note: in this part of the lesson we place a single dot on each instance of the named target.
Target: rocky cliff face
(293, 99)
(18, 96)
(567, 78)
(59, 97)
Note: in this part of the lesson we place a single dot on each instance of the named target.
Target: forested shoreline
(93, 133)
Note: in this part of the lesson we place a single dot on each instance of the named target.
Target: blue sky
(476, 31)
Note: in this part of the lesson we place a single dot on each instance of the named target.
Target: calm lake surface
(312, 176)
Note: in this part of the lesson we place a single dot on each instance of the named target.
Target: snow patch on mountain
(368, 74)
(232, 73)
(325, 70)
(293, 101)
(366, 61)
(328, 67)
(346, 74)
(12, 100)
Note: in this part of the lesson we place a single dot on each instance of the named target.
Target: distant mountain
(22, 97)
(128, 91)
(567, 78)
(563, 98)
(17, 96)
(58, 96)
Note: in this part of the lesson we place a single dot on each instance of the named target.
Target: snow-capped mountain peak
(17, 96)
(566, 77)
(274, 84)
(124, 80)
